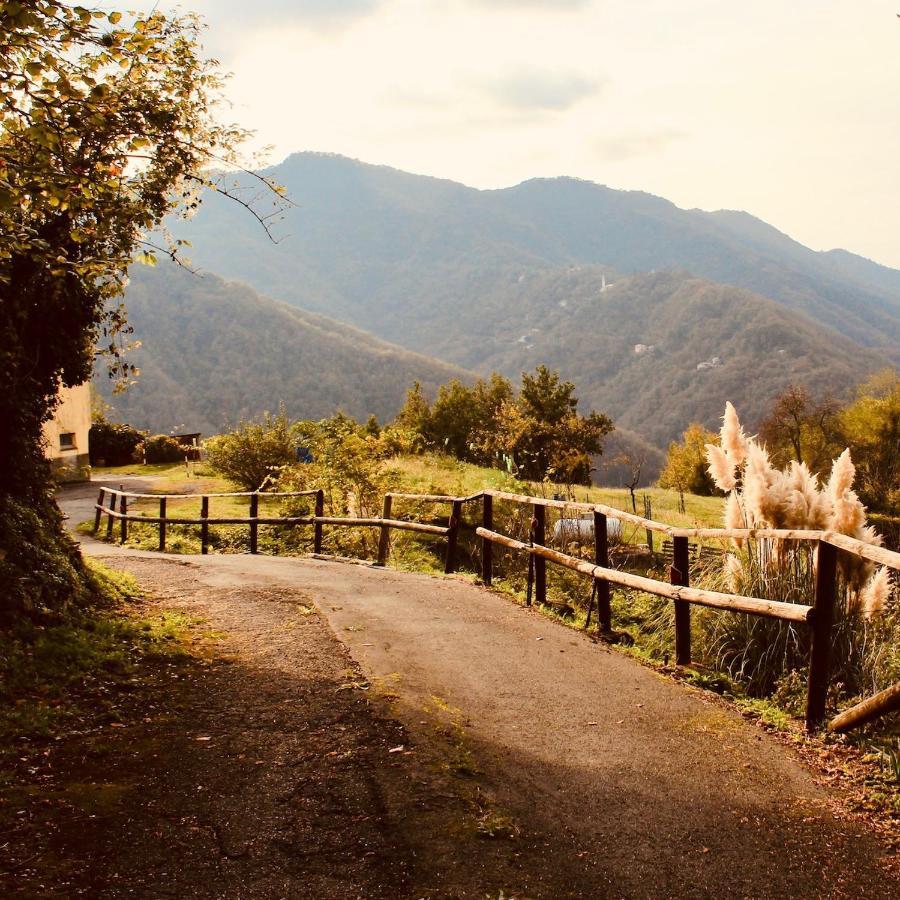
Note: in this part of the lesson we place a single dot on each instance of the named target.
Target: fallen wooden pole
(756, 606)
(880, 704)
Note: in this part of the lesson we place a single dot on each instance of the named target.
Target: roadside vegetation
(759, 663)
(72, 671)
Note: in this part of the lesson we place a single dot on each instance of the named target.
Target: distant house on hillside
(66, 435)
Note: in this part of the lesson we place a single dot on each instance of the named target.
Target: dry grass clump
(762, 496)
(767, 655)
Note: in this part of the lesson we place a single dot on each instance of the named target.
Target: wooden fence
(819, 617)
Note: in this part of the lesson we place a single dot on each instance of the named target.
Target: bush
(255, 451)
(163, 449)
(113, 443)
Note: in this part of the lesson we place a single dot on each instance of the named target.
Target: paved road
(658, 789)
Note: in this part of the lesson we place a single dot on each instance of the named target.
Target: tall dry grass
(763, 654)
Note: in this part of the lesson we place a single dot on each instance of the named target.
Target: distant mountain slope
(662, 350)
(402, 255)
(215, 352)
(643, 350)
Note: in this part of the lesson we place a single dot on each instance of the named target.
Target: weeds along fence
(526, 518)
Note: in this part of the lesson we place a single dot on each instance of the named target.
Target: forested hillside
(659, 351)
(401, 254)
(644, 306)
(215, 352)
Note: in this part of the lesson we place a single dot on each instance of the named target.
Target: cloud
(619, 147)
(264, 12)
(541, 90)
(551, 5)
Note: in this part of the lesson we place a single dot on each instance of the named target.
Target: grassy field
(436, 473)
(427, 474)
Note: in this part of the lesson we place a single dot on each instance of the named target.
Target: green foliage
(801, 428)
(107, 125)
(685, 469)
(537, 432)
(815, 431)
(160, 448)
(348, 467)
(115, 444)
(40, 567)
(255, 452)
(870, 426)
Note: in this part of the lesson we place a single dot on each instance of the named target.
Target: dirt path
(596, 776)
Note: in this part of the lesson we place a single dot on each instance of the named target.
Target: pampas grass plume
(875, 594)
(720, 467)
(734, 441)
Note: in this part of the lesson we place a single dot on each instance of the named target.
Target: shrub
(113, 443)
(163, 449)
(255, 452)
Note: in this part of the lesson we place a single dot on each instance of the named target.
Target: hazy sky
(789, 109)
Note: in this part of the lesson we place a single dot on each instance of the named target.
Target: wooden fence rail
(254, 520)
(819, 617)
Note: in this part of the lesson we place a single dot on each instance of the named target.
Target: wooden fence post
(601, 558)
(452, 534)
(109, 518)
(384, 535)
(254, 525)
(99, 512)
(648, 514)
(540, 564)
(162, 524)
(680, 575)
(487, 548)
(204, 525)
(317, 528)
(123, 522)
(823, 619)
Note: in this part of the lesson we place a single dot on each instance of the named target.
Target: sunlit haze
(786, 110)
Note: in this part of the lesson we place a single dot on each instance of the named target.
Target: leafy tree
(686, 470)
(461, 416)
(543, 432)
(107, 125)
(870, 427)
(255, 452)
(802, 429)
(415, 413)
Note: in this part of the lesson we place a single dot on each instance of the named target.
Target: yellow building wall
(66, 435)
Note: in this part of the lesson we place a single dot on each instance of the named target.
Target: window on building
(67, 440)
